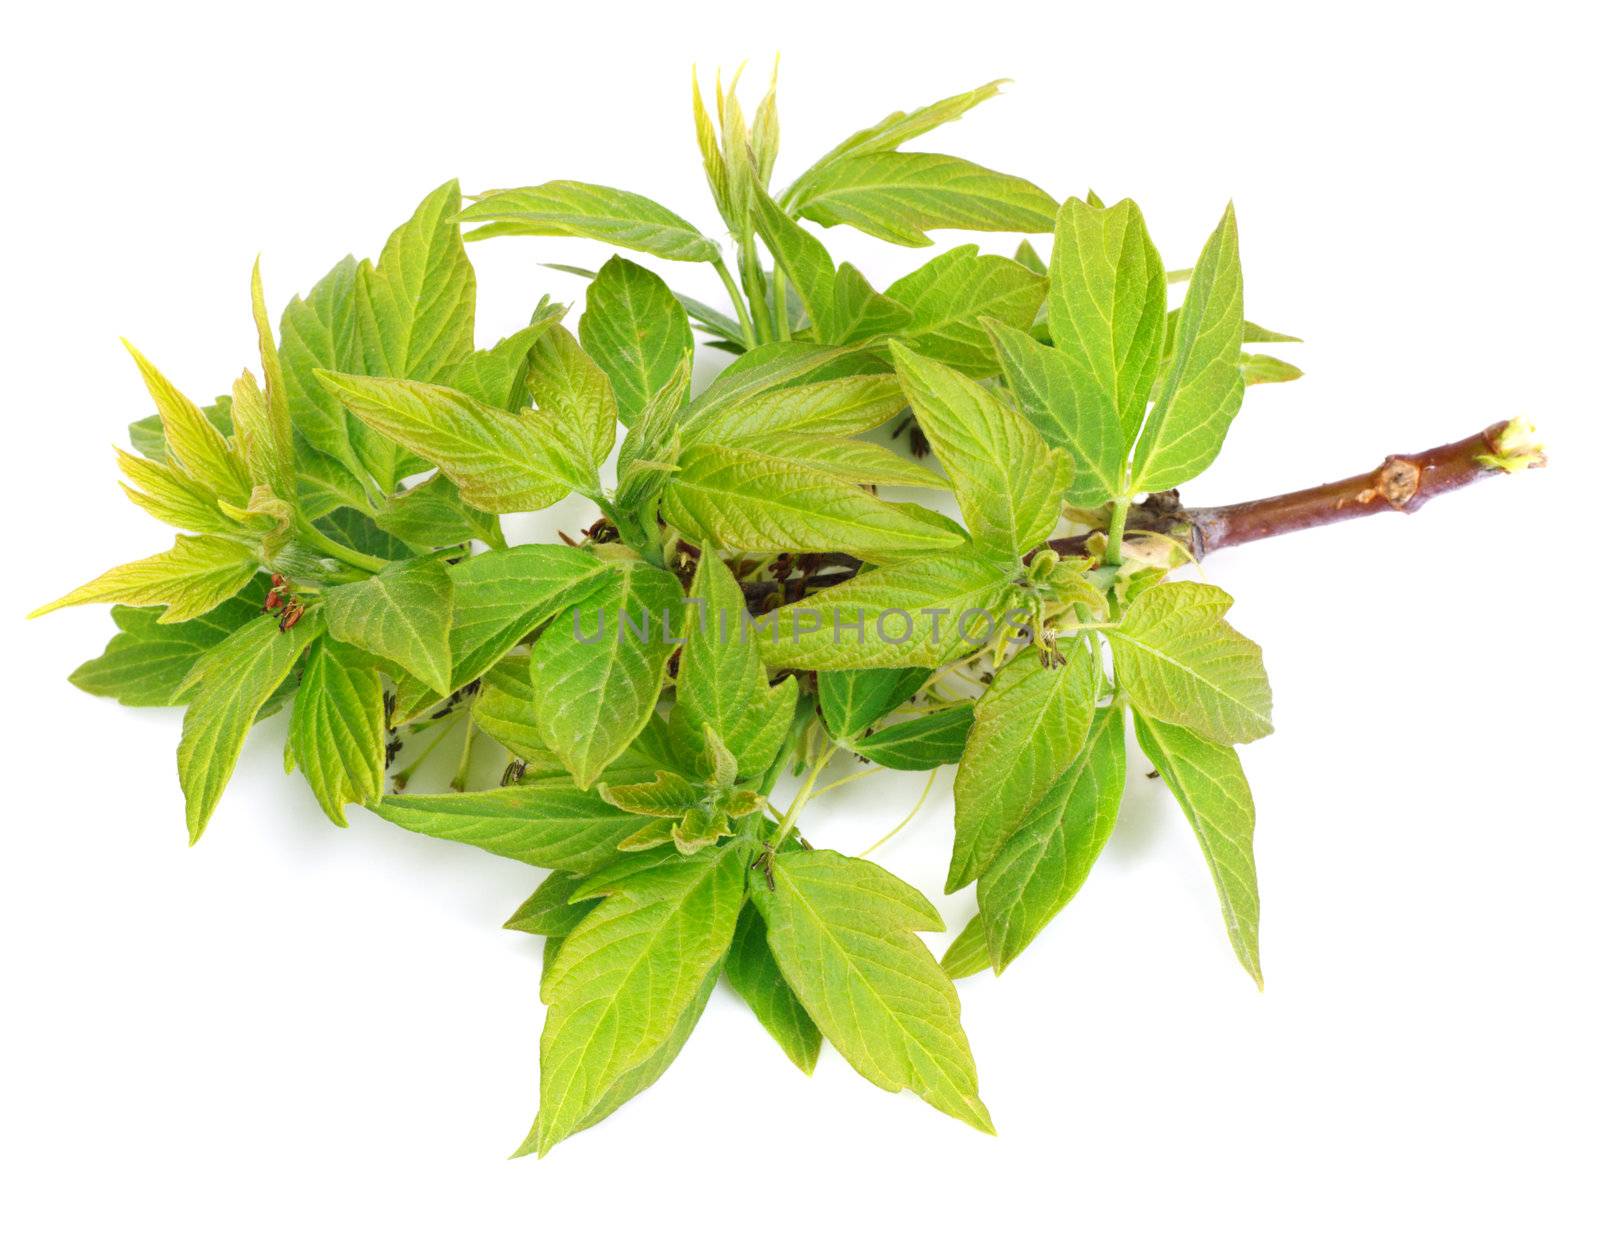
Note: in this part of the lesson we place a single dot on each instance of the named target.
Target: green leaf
(1044, 384)
(550, 910)
(1201, 392)
(415, 309)
(737, 497)
(722, 683)
(854, 700)
(860, 312)
(895, 195)
(923, 612)
(149, 439)
(754, 975)
(573, 392)
(262, 429)
(1107, 310)
(167, 494)
(336, 732)
(498, 375)
(549, 823)
(433, 515)
(323, 331)
(195, 575)
(502, 597)
(1177, 660)
(854, 461)
(627, 975)
(1209, 784)
(773, 366)
(401, 614)
(578, 209)
(901, 127)
(949, 296)
(803, 259)
(665, 796)
(1265, 369)
(231, 684)
(1049, 856)
(1028, 727)
(636, 330)
(503, 709)
(192, 442)
(596, 676)
(838, 407)
(146, 662)
(502, 463)
(967, 954)
(921, 743)
(1008, 482)
(843, 932)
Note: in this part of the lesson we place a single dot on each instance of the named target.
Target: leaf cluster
(340, 557)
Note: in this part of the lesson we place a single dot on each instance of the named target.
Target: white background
(297, 1032)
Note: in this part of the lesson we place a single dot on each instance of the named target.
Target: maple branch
(1402, 483)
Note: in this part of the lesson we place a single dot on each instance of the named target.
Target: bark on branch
(1401, 483)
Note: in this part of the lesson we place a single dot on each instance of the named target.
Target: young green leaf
(625, 977)
(896, 196)
(550, 910)
(843, 933)
(502, 463)
(1009, 483)
(854, 461)
(191, 440)
(722, 684)
(901, 127)
(503, 709)
(572, 392)
(1049, 856)
(549, 823)
(854, 700)
(336, 732)
(1029, 726)
(322, 331)
(754, 975)
(1045, 386)
(169, 495)
(263, 431)
(401, 614)
(498, 375)
(920, 743)
(415, 310)
(636, 331)
(433, 515)
(578, 209)
(1265, 369)
(738, 497)
(596, 675)
(146, 662)
(1201, 392)
(837, 407)
(502, 597)
(1178, 661)
(1209, 784)
(923, 612)
(195, 575)
(947, 298)
(803, 259)
(1107, 312)
(231, 683)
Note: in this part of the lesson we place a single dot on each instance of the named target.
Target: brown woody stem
(1402, 483)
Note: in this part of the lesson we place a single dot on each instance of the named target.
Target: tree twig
(1401, 483)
